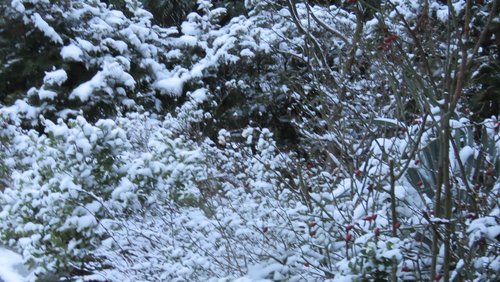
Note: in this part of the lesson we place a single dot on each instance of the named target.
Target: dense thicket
(246, 140)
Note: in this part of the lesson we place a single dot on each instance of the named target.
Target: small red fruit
(438, 277)
(309, 165)
(265, 229)
(489, 172)
(397, 225)
(385, 47)
(312, 224)
(417, 162)
(471, 215)
(391, 38)
(312, 232)
(357, 173)
(348, 237)
(405, 268)
(370, 217)
(349, 228)
(306, 264)
(376, 231)
(481, 241)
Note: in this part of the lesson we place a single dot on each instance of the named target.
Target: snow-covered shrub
(385, 177)
(83, 180)
(53, 208)
(102, 60)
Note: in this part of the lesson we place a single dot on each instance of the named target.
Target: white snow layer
(72, 53)
(199, 95)
(44, 27)
(56, 77)
(171, 86)
(11, 266)
(83, 91)
(112, 72)
(44, 94)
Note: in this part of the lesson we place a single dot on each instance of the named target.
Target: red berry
(349, 227)
(405, 268)
(376, 231)
(420, 183)
(309, 165)
(397, 225)
(265, 229)
(482, 241)
(348, 237)
(438, 276)
(391, 38)
(489, 172)
(312, 224)
(384, 47)
(417, 162)
(471, 215)
(312, 232)
(370, 217)
(306, 264)
(357, 173)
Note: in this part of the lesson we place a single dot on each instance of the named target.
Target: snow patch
(46, 94)
(18, 6)
(199, 95)
(466, 153)
(57, 77)
(44, 27)
(83, 91)
(247, 53)
(72, 53)
(11, 266)
(172, 86)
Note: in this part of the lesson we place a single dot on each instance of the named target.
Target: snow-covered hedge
(188, 177)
